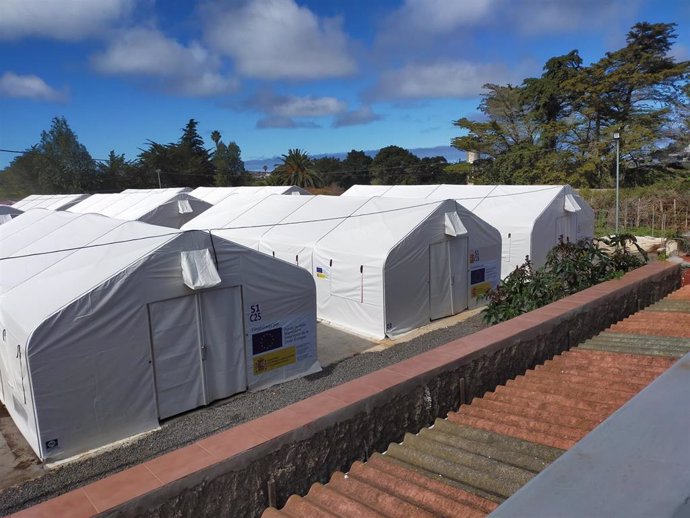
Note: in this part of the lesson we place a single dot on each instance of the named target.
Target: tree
(355, 169)
(559, 127)
(117, 173)
(393, 165)
(59, 163)
(328, 168)
(297, 169)
(185, 163)
(227, 162)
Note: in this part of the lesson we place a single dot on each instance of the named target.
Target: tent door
(459, 273)
(177, 361)
(440, 279)
(222, 344)
(563, 228)
(198, 349)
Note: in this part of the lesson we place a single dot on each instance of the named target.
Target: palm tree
(215, 136)
(297, 169)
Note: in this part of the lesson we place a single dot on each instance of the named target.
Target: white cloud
(295, 106)
(147, 53)
(283, 123)
(436, 16)
(419, 23)
(308, 106)
(446, 79)
(277, 39)
(285, 111)
(28, 87)
(552, 17)
(363, 115)
(59, 19)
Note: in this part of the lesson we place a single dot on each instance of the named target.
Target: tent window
(571, 204)
(454, 226)
(198, 269)
(184, 207)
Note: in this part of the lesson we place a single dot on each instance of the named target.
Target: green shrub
(569, 268)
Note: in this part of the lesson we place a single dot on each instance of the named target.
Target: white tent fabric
(531, 218)
(7, 212)
(382, 266)
(215, 195)
(101, 338)
(49, 201)
(164, 207)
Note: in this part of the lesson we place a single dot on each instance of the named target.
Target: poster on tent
(278, 349)
(484, 274)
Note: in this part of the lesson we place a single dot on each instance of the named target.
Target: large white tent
(49, 201)
(215, 195)
(531, 218)
(109, 326)
(165, 207)
(382, 266)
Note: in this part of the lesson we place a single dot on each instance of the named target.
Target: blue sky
(321, 75)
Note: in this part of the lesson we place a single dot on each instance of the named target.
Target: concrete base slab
(335, 344)
(635, 464)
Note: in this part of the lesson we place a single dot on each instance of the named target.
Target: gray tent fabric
(7, 212)
(102, 338)
(165, 207)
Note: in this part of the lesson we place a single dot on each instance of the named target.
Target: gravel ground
(199, 423)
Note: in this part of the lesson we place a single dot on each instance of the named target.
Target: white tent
(382, 266)
(109, 326)
(7, 212)
(531, 218)
(165, 207)
(215, 195)
(49, 201)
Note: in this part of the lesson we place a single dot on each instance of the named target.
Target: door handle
(204, 352)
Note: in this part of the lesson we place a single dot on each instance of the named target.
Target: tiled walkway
(469, 463)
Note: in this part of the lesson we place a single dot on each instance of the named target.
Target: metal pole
(617, 138)
(618, 144)
(158, 172)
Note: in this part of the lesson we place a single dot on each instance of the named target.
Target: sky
(324, 76)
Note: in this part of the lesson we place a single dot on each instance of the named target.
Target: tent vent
(198, 269)
(184, 207)
(570, 204)
(454, 226)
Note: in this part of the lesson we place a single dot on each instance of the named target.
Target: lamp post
(617, 138)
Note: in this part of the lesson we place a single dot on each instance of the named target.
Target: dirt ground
(17, 461)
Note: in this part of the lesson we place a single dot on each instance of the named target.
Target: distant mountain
(450, 153)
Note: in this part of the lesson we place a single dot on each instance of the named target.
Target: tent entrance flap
(459, 273)
(176, 355)
(440, 275)
(223, 342)
(563, 229)
(198, 349)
